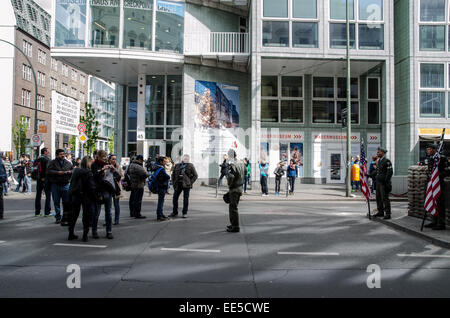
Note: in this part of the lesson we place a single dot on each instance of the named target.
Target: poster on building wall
(65, 114)
(70, 16)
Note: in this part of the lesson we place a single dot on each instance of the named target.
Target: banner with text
(65, 114)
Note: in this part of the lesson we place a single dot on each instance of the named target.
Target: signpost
(81, 127)
(36, 140)
(83, 138)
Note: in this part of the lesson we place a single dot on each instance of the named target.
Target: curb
(416, 233)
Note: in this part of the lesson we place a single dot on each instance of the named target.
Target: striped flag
(433, 188)
(363, 171)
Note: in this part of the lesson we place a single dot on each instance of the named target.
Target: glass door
(335, 168)
(155, 148)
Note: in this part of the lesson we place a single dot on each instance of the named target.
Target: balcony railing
(216, 43)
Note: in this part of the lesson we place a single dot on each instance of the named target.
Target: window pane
(432, 75)
(323, 87)
(373, 113)
(131, 136)
(169, 26)
(275, 34)
(342, 88)
(373, 89)
(371, 10)
(292, 111)
(304, 34)
(276, 8)
(337, 9)
(269, 110)
(70, 23)
(304, 9)
(292, 86)
(432, 10)
(448, 105)
(269, 86)
(432, 38)
(355, 111)
(137, 32)
(323, 112)
(131, 150)
(154, 133)
(178, 133)
(154, 101)
(338, 35)
(371, 36)
(432, 104)
(105, 24)
(174, 92)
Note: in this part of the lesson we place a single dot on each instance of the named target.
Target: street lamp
(36, 92)
(349, 111)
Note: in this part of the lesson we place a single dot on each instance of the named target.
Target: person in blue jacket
(264, 172)
(291, 174)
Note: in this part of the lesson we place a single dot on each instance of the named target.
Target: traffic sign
(36, 140)
(81, 127)
(83, 138)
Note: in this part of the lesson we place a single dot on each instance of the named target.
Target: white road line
(1, 242)
(308, 253)
(423, 255)
(189, 250)
(80, 245)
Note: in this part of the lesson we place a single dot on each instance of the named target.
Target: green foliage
(91, 132)
(73, 143)
(111, 143)
(19, 134)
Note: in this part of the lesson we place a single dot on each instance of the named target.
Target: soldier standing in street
(438, 222)
(235, 179)
(383, 184)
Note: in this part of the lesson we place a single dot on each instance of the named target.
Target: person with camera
(383, 184)
(137, 175)
(183, 177)
(118, 175)
(42, 184)
(235, 179)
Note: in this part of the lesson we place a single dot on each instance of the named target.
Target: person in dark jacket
(21, 176)
(223, 169)
(183, 177)
(138, 175)
(384, 185)
(42, 183)
(81, 192)
(118, 175)
(279, 173)
(163, 184)
(291, 174)
(59, 171)
(104, 184)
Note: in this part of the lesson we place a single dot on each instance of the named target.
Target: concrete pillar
(140, 114)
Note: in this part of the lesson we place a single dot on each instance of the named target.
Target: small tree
(73, 143)
(19, 134)
(91, 132)
(111, 143)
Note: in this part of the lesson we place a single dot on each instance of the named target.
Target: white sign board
(65, 114)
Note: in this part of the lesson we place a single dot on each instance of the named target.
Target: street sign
(36, 140)
(344, 117)
(42, 129)
(83, 138)
(81, 127)
(140, 135)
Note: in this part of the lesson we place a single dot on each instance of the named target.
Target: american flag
(433, 188)
(363, 170)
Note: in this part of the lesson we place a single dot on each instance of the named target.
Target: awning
(433, 134)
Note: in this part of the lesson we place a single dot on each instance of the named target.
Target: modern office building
(265, 77)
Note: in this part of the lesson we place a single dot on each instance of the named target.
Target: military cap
(382, 149)
(432, 146)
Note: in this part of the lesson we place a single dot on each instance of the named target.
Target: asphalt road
(295, 249)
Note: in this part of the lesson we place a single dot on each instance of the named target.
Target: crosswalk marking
(80, 245)
(189, 250)
(423, 255)
(309, 253)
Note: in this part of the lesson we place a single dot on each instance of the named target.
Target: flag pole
(368, 206)
(439, 151)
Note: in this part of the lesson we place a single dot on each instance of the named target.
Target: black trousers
(176, 196)
(41, 186)
(136, 202)
(78, 202)
(277, 184)
(291, 183)
(441, 208)
(233, 208)
(383, 201)
(1, 201)
(264, 188)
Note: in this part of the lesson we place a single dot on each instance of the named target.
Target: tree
(73, 143)
(19, 134)
(91, 128)
(111, 143)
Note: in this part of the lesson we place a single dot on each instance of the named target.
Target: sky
(45, 4)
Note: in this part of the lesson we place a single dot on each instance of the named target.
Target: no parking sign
(36, 140)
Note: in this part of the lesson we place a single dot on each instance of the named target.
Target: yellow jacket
(355, 172)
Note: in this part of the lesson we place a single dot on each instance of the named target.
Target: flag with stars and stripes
(363, 171)
(433, 188)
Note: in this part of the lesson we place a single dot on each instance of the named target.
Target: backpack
(36, 171)
(152, 183)
(126, 182)
(3, 175)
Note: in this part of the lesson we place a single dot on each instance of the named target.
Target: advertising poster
(65, 114)
(264, 152)
(296, 150)
(70, 23)
(284, 152)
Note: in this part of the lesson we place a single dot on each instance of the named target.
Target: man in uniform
(235, 178)
(383, 184)
(438, 222)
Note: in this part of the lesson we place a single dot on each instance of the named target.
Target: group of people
(291, 171)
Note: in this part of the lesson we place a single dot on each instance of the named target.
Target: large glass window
(275, 33)
(70, 23)
(132, 109)
(432, 99)
(338, 9)
(342, 88)
(432, 38)
(374, 101)
(432, 10)
(275, 8)
(371, 37)
(138, 22)
(269, 86)
(304, 34)
(432, 104)
(306, 9)
(338, 35)
(105, 23)
(323, 112)
(169, 26)
(154, 100)
(371, 10)
(174, 93)
(432, 75)
(341, 105)
(323, 87)
(292, 86)
(269, 110)
(292, 111)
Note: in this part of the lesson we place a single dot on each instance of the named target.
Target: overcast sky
(45, 4)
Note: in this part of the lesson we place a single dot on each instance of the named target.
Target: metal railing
(216, 43)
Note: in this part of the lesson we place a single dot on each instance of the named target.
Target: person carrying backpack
(183, 177)
(42, 184)
(161, 181)
(137, 175)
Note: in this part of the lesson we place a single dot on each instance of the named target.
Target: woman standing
(248, 169)
(279, 173)
(81, 192)
(118, 175)
(292, 174)
(264, 169)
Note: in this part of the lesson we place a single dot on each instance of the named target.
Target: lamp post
(349, 111)
(35, 89)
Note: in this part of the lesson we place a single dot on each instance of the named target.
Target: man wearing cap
(383, 184)
(138, 175)
(235, 179)
(438, 222)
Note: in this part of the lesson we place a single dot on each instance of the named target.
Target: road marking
(80, 245)
(1, 242)
(308, 253)
(423, 255)
(189, 250)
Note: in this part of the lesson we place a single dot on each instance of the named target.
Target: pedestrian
(59, 171)
(82, 194)
(264, 173)
(279, 173)
(248, 170)
(235, 178)
(42, 184)
(183, 177)
(168, 167)
(149, 164)
(291, 174)
(138, 175)
(21, 176)
(104, 191)
(438, 222)
(77, 163)
(9, 174)
(384, 186)
(3, 178)
(27, 177)
(223, 170)
(162, 180)
(355, 174)
(118, 176)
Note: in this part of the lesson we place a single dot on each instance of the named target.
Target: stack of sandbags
(417, 187)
